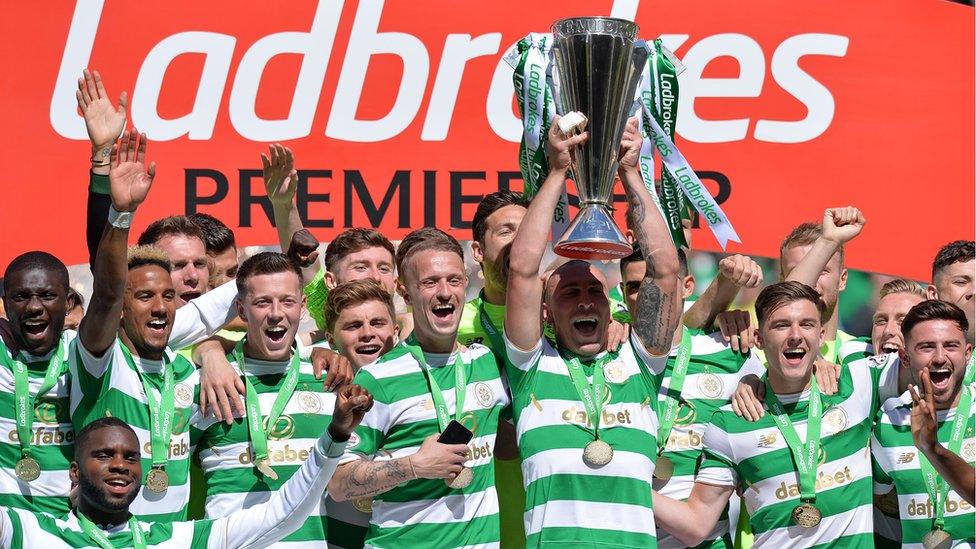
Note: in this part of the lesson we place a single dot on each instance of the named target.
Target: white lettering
(77, 51)
(458, 49)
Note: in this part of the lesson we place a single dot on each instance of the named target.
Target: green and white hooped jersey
(897, 466)
(108, 386)
(52, 439)
(754, 457)
(714, 370)
(226, 456)
(568, 502)
(470, 330)
(425, 512)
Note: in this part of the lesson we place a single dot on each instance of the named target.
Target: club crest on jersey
(969, 450)
(309, 402)
(834, 421)
(484, 394)
(182, 395)
(710, 385)
(614, 372)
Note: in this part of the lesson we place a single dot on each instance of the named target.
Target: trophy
(598, 67)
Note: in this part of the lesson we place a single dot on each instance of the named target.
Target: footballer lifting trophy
(598, 65)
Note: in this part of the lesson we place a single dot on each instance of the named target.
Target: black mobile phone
(455, 434)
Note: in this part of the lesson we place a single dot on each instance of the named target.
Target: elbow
(692, 539)
(334, 492)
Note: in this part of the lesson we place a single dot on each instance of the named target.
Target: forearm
(214, 347)
(714, 300)
(681, 520)
(365, 478)
(808, 270)
(99, 202)
(200, 318)
(959, 474)
(98, 330)
(288, 222)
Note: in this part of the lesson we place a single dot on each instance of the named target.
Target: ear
(73, 473)
(72, 302)
(823, 335)
(688, 287)
(240, 309)
(330, 280)
(476, 252)
(931, 292)
(630, 236)
(843, 280)
(757, 335)
(402, 290)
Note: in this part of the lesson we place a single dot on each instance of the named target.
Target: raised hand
(280, 176)
(103, 121)
(630, 145)
(560, 147)
(925, 428)
(842, 224)
(304, 248)
(352, 403)
(129, 179)
(741, 270)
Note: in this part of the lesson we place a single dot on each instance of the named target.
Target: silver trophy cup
(598, 67)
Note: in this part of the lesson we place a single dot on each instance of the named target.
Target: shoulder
(396, 362)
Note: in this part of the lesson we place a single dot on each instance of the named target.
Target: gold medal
(462, 480)
(264, 466)
(663, 468)
(936, 539)
(597, 453)
(806, 515)
(363, 505)
(157, 480)
(27, 469)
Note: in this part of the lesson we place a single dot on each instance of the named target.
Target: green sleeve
(316, 292)
(98, 183)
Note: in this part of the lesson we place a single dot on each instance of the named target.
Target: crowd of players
(186, 389)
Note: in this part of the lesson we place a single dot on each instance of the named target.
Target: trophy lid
(595, 25)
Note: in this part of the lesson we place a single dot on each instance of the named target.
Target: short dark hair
(172, 225)
(423, 239)
(638, 255)
(355, 240)
(81, 439)
(217, 237)
(490, 204)
(266, 263)
(37, 259)
(777, 295)
(933, 309)
(353, 293)
(959, 251)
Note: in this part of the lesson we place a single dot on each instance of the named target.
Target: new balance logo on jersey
(767, 440)
(575, 415)
(44, 436)
(906, 457)
(924, 508)
(176, 449)
(282, 456)
(824, 481)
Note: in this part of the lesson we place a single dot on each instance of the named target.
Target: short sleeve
(519, 364)
(883, 483)
(316, 293)
(716, 467)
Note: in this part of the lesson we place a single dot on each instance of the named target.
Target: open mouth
(794, 356)
(586, 326)
(276, 333)
(940, 377)
(157, 325)
(890, 347)
(118, 485)
(369, 350)
(189, 296)
(443, 311)
(34, 326)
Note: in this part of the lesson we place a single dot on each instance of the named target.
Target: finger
(289, 159)
(212, 402)
(734, 343)
(236, 401)
(330, 377)
(913, 392)
(82, 104)
(204, 401)
(123, 147)
(929, 394)
(265, 163)
(754, 410)
(152, 171)
(99, 87)
(313, 257)
(141, 151)
(123, 103)
(83, 91)
(133, 141)
(577, 139)
(224, 405)
(90, 86)
(275, 157)
(114, 158)
(736, 405)
(317, 366)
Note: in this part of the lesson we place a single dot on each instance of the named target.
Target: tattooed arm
(659, 300)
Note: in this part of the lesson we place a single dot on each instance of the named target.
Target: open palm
(129, 179)
(280, 177)
(103, 121)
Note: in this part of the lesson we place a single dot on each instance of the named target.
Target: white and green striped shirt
(226, 456)
(754, 457)
(567, 502)
(896, 466)
(108, 386)
(52, 440)
(258, 526)
(425, 512)
(714, 370)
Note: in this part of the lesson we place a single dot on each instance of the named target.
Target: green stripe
(626, 491)
(480, 530)
(593, 538)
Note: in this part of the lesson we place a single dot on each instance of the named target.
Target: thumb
(123, 102)
(152, 171)
(359, 401)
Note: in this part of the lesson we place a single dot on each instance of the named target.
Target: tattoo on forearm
(655, 314)
(368, 478)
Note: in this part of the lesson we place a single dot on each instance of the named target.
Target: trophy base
(593, 235)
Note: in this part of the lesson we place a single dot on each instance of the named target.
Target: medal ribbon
(590, 393)
(497, 344)
(460, 384)
(23, 402)
(970, 375)
(935, 485)
(98, 536)
(256, 429)
(673, 395)
(161, 412)
(804, 454)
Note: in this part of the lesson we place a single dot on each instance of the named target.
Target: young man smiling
(360, 320)
(425, 493)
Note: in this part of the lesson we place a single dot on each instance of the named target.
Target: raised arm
(523, 300)
(959, 474)
(840, 225)
(290, 505)
(693, 520)
(659, 298)
(281, 183)
(129, 183)
(734, 272)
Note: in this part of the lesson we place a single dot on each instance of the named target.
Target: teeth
(34, 322)
(157, 323)
(276, 330)
(368, 350)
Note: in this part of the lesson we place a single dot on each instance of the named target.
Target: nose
(118, 464)
(444, 290)
(191, 277)
(277, 312)
(795, 335)
(891, 328)
(940, 356)
(158, 305)
(34, 305)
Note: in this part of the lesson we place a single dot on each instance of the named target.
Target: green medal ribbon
(460, 384)
(935, 485)
(590, 393)
(24, 402)
(99, 537)
(665, 86)
(970, 374)
(673, 396)
(804, 454)
(256, 428)
(497, 344)
(161, 412)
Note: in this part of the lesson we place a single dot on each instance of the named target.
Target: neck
(954, 402)
(99, 516)
(494, 295)
(436, 344)
(830, 327)
(785, 386)
(252, 351)
(148, 354)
